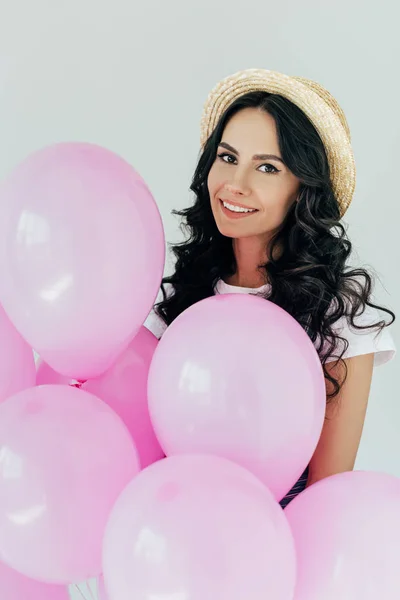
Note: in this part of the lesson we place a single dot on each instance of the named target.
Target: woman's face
(251, 189)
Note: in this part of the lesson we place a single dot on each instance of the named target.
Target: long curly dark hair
(309, 275)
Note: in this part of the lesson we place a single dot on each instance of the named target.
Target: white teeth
(238, 208)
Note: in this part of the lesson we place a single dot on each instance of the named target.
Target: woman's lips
(236, 211)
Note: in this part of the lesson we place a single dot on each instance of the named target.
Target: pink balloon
(14, 586)
(124, 388)
(81, 255)
(347, 534)
(45, 375)
(17, 365)
(198, 527)
(236, 376)
(65, 456)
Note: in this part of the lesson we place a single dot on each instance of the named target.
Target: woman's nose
(237, 188)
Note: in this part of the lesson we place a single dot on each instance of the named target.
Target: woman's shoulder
(362, 339)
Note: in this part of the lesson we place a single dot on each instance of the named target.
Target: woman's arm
(345, 415)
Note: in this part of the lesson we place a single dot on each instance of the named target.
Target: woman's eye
(224, 156)
(271, 169)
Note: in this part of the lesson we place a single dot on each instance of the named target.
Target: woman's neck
(250, 254)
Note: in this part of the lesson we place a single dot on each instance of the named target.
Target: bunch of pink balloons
(81, 256)
(197, 524)
(158, 466)
(251, 391)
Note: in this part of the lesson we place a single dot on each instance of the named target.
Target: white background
(133, 76)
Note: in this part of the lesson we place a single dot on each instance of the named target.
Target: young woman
(274, 179)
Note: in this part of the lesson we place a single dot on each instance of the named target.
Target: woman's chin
(234, 231)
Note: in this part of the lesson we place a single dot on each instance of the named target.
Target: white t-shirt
(360, 341)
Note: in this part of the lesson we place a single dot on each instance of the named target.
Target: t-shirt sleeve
(365, 341)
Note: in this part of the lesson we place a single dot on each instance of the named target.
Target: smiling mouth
(234, 210)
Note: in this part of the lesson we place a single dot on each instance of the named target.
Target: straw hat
(315, 101)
